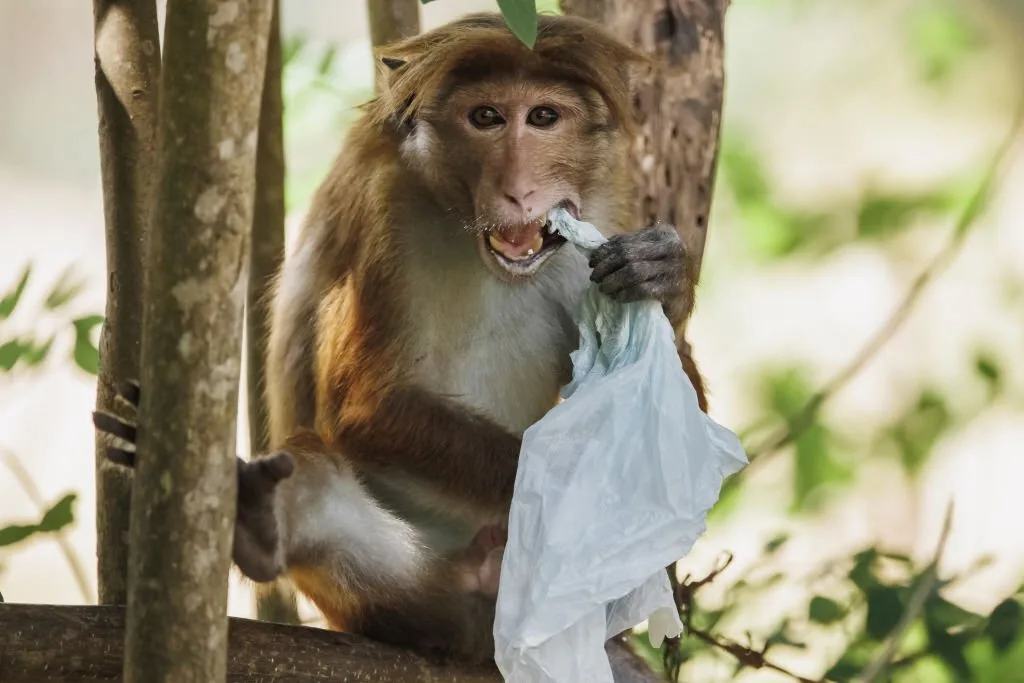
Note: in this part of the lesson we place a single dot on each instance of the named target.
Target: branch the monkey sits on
(425, 320)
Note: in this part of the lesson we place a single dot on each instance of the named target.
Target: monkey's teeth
(516, 252)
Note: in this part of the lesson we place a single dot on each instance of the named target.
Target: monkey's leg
(369, 571)
(303, 512)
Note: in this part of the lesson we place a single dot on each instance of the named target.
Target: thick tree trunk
(392, 20)
(679, 105)
(274, 601)
(183, 497)
(51, 644)
(127, 57)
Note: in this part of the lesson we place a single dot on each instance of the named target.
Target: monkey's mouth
(520, 249)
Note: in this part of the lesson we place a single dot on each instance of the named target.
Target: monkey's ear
(393, 63)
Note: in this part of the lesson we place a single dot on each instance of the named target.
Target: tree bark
(392, 20)
(183, 497)
(679, 104)
(274, 601)
(57, 644)
(127, 71)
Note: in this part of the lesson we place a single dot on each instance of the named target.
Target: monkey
(425, 319)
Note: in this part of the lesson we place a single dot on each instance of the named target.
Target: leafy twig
(790, 432)
(929, 579)
(24, 479)
(685, 592)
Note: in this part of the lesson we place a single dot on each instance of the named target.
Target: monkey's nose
(519, 198)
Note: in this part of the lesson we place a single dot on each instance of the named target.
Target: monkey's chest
(506, 358)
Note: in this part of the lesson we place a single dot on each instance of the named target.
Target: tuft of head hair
(481, 45)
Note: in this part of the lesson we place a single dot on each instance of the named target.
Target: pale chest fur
(500, 349)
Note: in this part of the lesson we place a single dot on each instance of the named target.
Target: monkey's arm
(466, 455)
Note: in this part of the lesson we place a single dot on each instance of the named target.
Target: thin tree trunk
(680, 108)
(183, 497)
(127, 59)
(274, 601)
(392, 20)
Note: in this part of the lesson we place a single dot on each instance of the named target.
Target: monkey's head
(501, 135)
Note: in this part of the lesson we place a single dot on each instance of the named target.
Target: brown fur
(396, 216)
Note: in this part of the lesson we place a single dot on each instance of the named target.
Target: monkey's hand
(257, 550)
(479, 565)
(643, 265)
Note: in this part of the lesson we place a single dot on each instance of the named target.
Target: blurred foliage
(29, 349)
(941, 38)
(771, 230)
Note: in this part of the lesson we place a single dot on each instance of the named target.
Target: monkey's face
(505, 153)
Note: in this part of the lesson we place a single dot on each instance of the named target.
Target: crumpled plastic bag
(613, 485)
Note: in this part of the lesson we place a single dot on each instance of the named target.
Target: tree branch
(127, 57)
(57, 644)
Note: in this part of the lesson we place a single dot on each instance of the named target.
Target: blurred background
(855, 134)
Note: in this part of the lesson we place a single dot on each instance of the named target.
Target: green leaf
(884, 611)
(60, 515)
(950, 649)
(824, 610)
(918, 430)
(55, 519)
(940, 38)
(775, 543)
(34, 354)
(882, 214)
(290, 48)
(521, 17)
(988, 369)
(10, 352)
(943, 614)
(63, 291)
(86, 355)
(327, 61)
(862, 574)
(10, 300)
(1005, 624)
(16, 533)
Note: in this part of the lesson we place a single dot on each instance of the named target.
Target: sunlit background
(855, 134)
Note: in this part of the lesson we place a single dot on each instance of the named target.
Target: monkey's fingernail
(121, 457)
(131, 391)
(105, 422)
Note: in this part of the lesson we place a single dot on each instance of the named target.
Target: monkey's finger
(611, 256)
(131, 392)
(115, 426)
(121, 456)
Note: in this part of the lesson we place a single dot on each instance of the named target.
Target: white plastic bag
(613, 485)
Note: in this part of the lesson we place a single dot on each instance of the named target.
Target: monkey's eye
(485, 117)
(542, 117)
